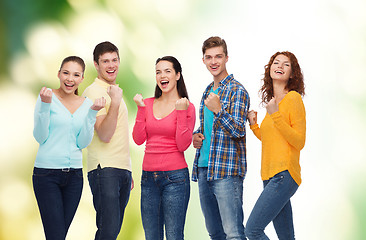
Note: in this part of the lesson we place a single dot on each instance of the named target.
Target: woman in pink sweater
(166, 123)
(282, 133)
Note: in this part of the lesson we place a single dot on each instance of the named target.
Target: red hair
(295, 83)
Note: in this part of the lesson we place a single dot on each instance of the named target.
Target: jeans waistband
(61, 169)
(155, 173)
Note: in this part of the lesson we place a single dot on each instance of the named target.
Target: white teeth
(69, 85)
(162, 82)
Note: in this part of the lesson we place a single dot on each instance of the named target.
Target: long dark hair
(76, 59)
(181, 87)
(295, 83)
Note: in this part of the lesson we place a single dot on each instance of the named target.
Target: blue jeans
(111, 189)
(164, 201)
(58, 194)
(273, 205)
(222, 206)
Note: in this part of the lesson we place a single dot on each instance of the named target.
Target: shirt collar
(226, 80)
(103, 83)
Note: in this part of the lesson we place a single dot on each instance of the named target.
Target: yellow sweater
(283, 136)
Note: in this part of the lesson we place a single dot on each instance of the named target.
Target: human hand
(197, 140)
(99, 103)
(139, 100)
(252, 117)
(182, 104)
(46, 95)
(212, 102)
(272, 106)
(132, 183)
(115, 93)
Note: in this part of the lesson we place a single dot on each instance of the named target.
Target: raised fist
(46, 95)
(182, 104)
(139, 100)
(99, 103)
(252, 117)
(212, 102)
(115, 93)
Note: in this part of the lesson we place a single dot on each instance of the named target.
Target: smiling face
(107, 67)
(281, 68)
(215, 61)
(166, 77)
(71, 75)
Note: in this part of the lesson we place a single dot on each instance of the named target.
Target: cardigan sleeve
(185, 125)
(139, 130)
(295, 131)
(42, 114)
(86, 133)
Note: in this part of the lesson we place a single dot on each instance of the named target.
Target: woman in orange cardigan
(282, 133)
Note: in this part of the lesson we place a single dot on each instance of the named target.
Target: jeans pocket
(280, 177)
(177, 176)
(41, 172)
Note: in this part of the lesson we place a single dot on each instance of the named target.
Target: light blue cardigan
(60, 134)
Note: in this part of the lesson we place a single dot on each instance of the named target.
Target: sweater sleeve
(256, 130)
(42, 114)
(86, 133)
(139, 130)
(295, 131)
(185, 124)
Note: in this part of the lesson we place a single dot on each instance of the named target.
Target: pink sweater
(166, 138)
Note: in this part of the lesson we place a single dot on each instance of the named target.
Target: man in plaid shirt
(220, 162)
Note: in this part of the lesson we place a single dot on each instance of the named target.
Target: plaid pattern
(227, 155)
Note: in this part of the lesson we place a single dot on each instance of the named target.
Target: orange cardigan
(283, 136)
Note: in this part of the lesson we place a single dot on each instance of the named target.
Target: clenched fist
(198, 140)
(272, 106)
(99, 103)
(46, 95)
(115, 93)
(182, 104)
(212, 102)
(139, 100)
(252, 117)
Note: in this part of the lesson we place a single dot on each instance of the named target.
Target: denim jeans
(111, 191)
(58, 194)
(222, 206)
(273, 205)
(164, 201)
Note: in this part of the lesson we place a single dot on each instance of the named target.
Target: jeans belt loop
(66, 170)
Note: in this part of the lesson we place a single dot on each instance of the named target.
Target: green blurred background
(327, 36)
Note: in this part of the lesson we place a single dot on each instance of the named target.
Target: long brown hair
(295, 83)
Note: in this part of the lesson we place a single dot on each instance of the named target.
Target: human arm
(105, 125)
(293, 131)
(186, 119)
(42, 115)
(86, 133)
(252, 117)
(139, 130)
(233, 113)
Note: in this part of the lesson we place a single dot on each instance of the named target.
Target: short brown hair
(104, 47)
(214, 42)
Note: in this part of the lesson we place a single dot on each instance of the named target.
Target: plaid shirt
(227, 155)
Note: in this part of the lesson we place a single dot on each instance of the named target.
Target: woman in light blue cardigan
(63, 126)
